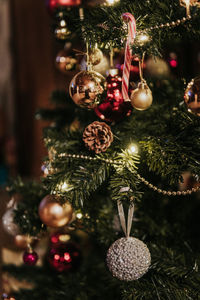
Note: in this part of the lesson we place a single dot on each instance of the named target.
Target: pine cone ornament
(98, 137)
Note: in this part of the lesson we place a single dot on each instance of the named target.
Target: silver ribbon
(126, 228)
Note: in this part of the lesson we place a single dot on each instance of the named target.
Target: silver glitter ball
(128, 259)
(8, 222)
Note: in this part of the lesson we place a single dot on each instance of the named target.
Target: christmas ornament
(192, 96)
(55, 4)
(53, 214)
(64, 256)
(85, 89)
(141, 98)
(128, 18)
(188, 3)
(157, 68)
(95, 56)
(113, 108)
(128, 259)
(98, 137)
(65, 60)
(6, 297)
(8, 222)
(30, 257)
(142, 38)
(61, 30)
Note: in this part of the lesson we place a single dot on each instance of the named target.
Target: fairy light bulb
(133, 148)
(79, 216)
(111, 2)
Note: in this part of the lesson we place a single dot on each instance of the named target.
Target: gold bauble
(22, 241)
(192, 96)
(65, 62)
(95, 56)
(85, 88)
(53, 214)
(141, 98)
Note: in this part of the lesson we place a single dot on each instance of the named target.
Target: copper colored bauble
(64, 256)
(53, 214)
(55, 4)
(113, 108)
(8, 222)
(65, 61)
(95, 56)
(85, 89)
(61, 30)
(192, 96)
(141, 98)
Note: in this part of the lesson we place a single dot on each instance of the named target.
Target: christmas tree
(123, 150)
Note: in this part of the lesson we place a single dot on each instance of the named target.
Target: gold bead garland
(142, 179)
(170, 25)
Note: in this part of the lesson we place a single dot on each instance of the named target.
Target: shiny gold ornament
(95, 56)
(192, 96)
(65, 61)
(22, 241)
(85, 89)
(142, 38)
(61, 30)
(53, 214)
(141, 98)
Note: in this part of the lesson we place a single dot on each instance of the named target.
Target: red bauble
(30, 258)
(113, 108)
(54, 4)
(63, 256)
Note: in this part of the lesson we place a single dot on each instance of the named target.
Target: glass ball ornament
(85, 89)
(8, 223)
(128, 259)
(192, 96)
(30, 257)
(95, 56)
(52, 5)
(53, 214)
(113, 108)
(64, 256)
(65, 61)
(141, 98)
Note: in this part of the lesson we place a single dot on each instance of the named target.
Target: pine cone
(98, 137)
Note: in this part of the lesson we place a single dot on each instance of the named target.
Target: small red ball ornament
(113, 108)
(30, 258)
(54, 4)
(64, 255)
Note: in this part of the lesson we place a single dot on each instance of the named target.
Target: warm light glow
(79, 216)
(111, 2)
(56, 257)
(64, 187)
(62, 23)
(64, 237)
(67, 257)
(133, 149)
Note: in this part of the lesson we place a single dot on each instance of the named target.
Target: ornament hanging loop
(141, 67)
(126, 228)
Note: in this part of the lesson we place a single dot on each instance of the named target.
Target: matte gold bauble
(192, 96)
(53, 214)
(141, 98)
(95, 56)
(65, 61)
(85, 89)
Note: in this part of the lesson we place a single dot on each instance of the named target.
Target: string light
(133, 148)
(79, 216)
(142, 38)
(64, 187)
(111, 2)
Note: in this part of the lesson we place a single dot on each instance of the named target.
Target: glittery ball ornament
(85, 89)
(128, 259)
(95, 56)
(30, 258)
(53, 214)
(65, 61)
(8, 222)
(192, 96)
(113, 108)
(64, 256)
(141, 98)
(52, 5)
